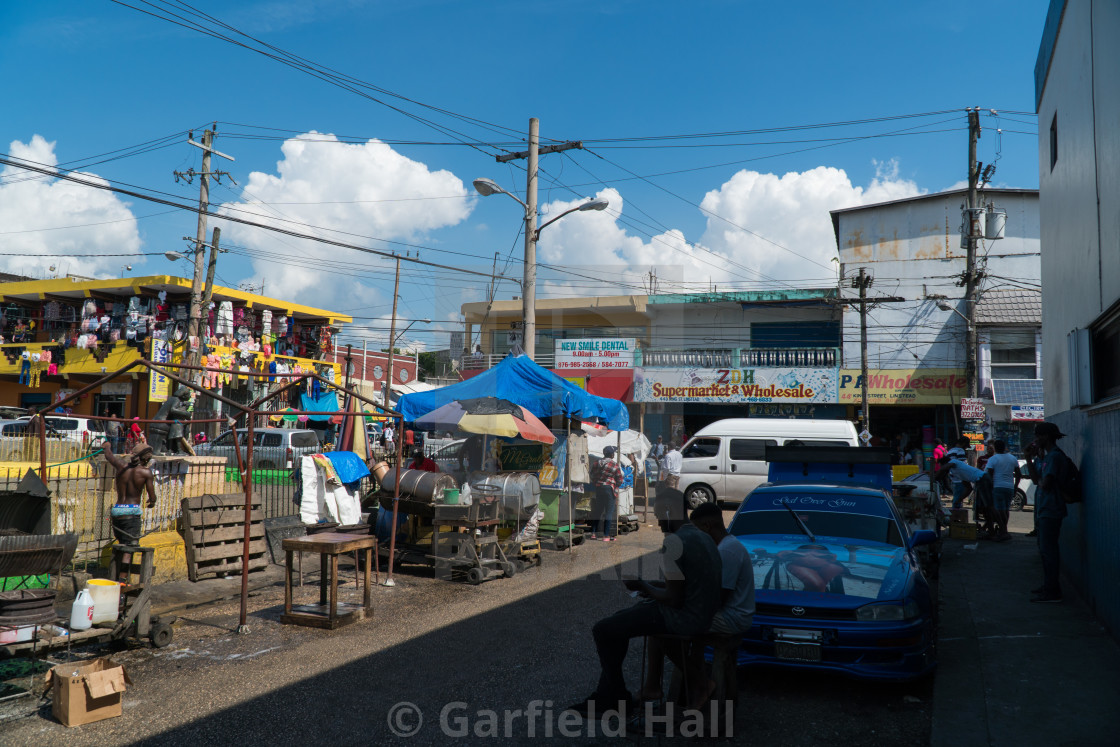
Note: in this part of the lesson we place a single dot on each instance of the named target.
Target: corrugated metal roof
(1009, 307)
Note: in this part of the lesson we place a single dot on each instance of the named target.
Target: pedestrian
(606, 476)
(422, 462)
(134, 478)
(387, 434)
(1004, 470)
(112, 431)
(1049, 468)
(960, 488)
(658, 449)
(938, 450)
(964, 473)
(683, 604)
(733, 618)
(671, 467)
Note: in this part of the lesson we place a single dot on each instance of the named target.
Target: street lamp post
(487, 187)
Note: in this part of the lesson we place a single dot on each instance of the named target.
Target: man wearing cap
(134, 478)
(421, 461)
(1048, 467)
(606, 476)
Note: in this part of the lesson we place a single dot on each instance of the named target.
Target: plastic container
(106, 599)
(81, 614)
(451, 496)
(17, 635)
(465, 495)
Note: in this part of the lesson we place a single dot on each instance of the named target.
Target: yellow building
(88, 328)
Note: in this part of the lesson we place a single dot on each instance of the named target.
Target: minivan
(726, 460)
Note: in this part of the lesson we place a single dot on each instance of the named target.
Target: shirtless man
(134, 478)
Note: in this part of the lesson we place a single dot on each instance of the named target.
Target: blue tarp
(327, 402)
(523, 382)
(348, 465)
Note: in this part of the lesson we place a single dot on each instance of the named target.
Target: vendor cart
(135, 619)
(475, 553)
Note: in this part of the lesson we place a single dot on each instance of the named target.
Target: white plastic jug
(81, 614)
(106, 597)
(465, 495)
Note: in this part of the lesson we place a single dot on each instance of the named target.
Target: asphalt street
(452, 662)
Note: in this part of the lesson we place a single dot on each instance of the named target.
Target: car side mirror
(923, 537)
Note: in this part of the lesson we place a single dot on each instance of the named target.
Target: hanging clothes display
(224, 324)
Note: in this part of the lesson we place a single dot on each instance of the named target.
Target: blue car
(838, 585)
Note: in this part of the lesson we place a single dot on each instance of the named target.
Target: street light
(487, 187)
(946, 306)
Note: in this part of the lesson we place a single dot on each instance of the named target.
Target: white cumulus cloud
(353, 191)
(759, 227)
(42, 215)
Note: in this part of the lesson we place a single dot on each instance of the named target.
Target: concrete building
(1078, 105)
(916, 343)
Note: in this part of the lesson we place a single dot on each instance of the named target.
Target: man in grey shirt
(683, 604)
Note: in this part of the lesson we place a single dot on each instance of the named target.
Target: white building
(912, 249)
(1079, 178)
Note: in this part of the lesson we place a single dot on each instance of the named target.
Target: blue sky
(747, 209)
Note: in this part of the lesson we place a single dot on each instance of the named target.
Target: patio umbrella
(489, 416)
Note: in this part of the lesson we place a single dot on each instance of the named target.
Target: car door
(702, 464)
(268, 450)
(746, 466)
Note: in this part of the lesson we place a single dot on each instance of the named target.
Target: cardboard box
(959, 515)
(87, 693)
(960, 530)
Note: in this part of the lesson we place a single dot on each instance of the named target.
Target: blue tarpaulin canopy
(327, 402)
(523, 382)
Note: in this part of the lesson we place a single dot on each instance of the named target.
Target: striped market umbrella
(488, 416)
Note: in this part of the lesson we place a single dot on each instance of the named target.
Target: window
(226, 439)
(701, 448)
(815, 442)
(750, 448)
(817, 334)
(1053, 141)
(271, 439)
(304, 440)
(1013, 354)
(821, 523)
(1106, 358)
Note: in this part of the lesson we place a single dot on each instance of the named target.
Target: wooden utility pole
(392, 339)
(529, 281)
(862, 282)
(970, 277)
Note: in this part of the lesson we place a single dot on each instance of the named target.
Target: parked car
(19, 428)
(447, 459)
(273, 448)
(73, 428)
(838, 582)
(725, 460)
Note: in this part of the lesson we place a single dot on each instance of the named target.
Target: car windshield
(863, 527)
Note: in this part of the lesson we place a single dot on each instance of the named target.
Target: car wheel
(1019, 502)
(698, 495)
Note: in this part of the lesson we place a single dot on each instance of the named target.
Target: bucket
(106, 599)
(451, 496)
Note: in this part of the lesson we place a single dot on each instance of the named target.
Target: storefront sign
(909, 386)
(972, 409)
(1028, 413)
(157, 382)
(736, 385)
(118, 388)
(595, 353)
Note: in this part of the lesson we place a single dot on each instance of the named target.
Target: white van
(727, 459)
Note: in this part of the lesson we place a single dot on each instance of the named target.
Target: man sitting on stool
(682, 604)
(732, 619)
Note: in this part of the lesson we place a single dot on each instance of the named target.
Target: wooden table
(329, 545)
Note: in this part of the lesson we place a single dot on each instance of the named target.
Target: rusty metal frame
(245, 464)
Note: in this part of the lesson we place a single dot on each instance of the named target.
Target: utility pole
(208, 289)
(194, 322)
(862, 282)
(392, 335)
(970, 276)
(529, 284)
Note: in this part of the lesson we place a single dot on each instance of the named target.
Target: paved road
(495, 647)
